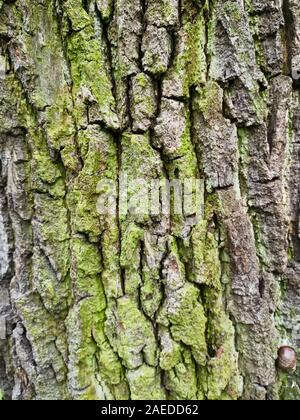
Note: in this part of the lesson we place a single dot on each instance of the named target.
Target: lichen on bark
(141, 305)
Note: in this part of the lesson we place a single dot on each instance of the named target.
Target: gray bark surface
(138, 305)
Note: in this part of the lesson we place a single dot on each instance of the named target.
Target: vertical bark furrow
(108, 291)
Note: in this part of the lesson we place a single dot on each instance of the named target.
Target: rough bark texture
(140, 307)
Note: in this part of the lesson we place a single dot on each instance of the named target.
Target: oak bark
(138, 306)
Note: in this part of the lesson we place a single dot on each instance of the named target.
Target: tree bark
(135, 305)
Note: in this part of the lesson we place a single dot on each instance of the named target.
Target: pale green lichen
(223, 379)
(87, 263)
(77, 14)
(187, 316)
(51, 221)
(60, 128)
(223, 372)
(113, 349)
(170, 354)
(219, 375)
(94, 363)
(162, 12)
(194, 56)
(288, 387)
(209, 99)
(105, 8)
(130, 257)
(181, 381)
(131, 334)
(143, 102)
(45, 175)
(100, 164)
(151, 291)
(88, 67)
(189, 65)
(47, 71)
(56, 294)
(111, 276)
(184, 170)
(206, 267)
(147, 162)
(245, 71)
(145, 384)
(43, 331)
(111, 370)
(82, 348)
(139, 174)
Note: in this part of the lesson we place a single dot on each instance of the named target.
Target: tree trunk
(137, 304)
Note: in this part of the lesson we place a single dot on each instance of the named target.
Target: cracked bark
(133, 306)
